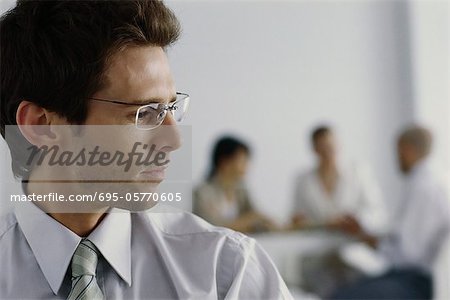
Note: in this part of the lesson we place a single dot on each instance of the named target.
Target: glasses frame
(167, 107)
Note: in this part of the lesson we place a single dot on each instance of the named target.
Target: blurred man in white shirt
(421, 225)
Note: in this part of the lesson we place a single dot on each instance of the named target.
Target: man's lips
(154, 174)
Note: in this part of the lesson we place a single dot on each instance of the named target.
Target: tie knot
(85, 259)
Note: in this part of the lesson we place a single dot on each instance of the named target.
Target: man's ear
(35, 123)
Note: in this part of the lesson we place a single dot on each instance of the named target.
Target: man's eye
(142, 114)
(146, 113)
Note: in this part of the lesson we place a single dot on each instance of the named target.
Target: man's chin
(138, 196)
(134, 206)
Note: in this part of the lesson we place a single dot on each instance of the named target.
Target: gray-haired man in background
(420, 227)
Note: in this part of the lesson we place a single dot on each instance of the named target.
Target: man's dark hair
(55, 53)
(225, 148)
(319, 132)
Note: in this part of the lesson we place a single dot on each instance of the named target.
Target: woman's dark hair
(225, 148)
(55, 53)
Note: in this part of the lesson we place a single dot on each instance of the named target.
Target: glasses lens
(148, 117)
(180, 107)
(151, 116)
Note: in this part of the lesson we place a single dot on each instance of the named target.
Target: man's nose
(169, 137)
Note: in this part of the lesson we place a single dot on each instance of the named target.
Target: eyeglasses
(152, 115)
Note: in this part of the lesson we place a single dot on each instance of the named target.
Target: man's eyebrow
(153, 100)
(138, 102)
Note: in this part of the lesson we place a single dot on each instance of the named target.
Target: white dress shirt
(422, 222)
(356, 193)
(151, 255)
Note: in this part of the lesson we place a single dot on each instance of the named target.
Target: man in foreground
(97, 65)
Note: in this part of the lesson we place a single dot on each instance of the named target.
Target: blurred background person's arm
(369, 220)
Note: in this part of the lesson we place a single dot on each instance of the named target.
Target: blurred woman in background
(333, 196)
(223, 199)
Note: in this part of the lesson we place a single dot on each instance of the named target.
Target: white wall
(270, 70)
(429, 22)
(6, 4)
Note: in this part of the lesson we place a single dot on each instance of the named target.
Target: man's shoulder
(7, 223)
(181, 223)
(236, 264)
(428, 181)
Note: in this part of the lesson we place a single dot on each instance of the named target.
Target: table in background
(287, 248)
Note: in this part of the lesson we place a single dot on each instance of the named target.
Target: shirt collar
(112, 237)
(53, 244)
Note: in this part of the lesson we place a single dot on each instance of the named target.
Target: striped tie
(84, 264)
